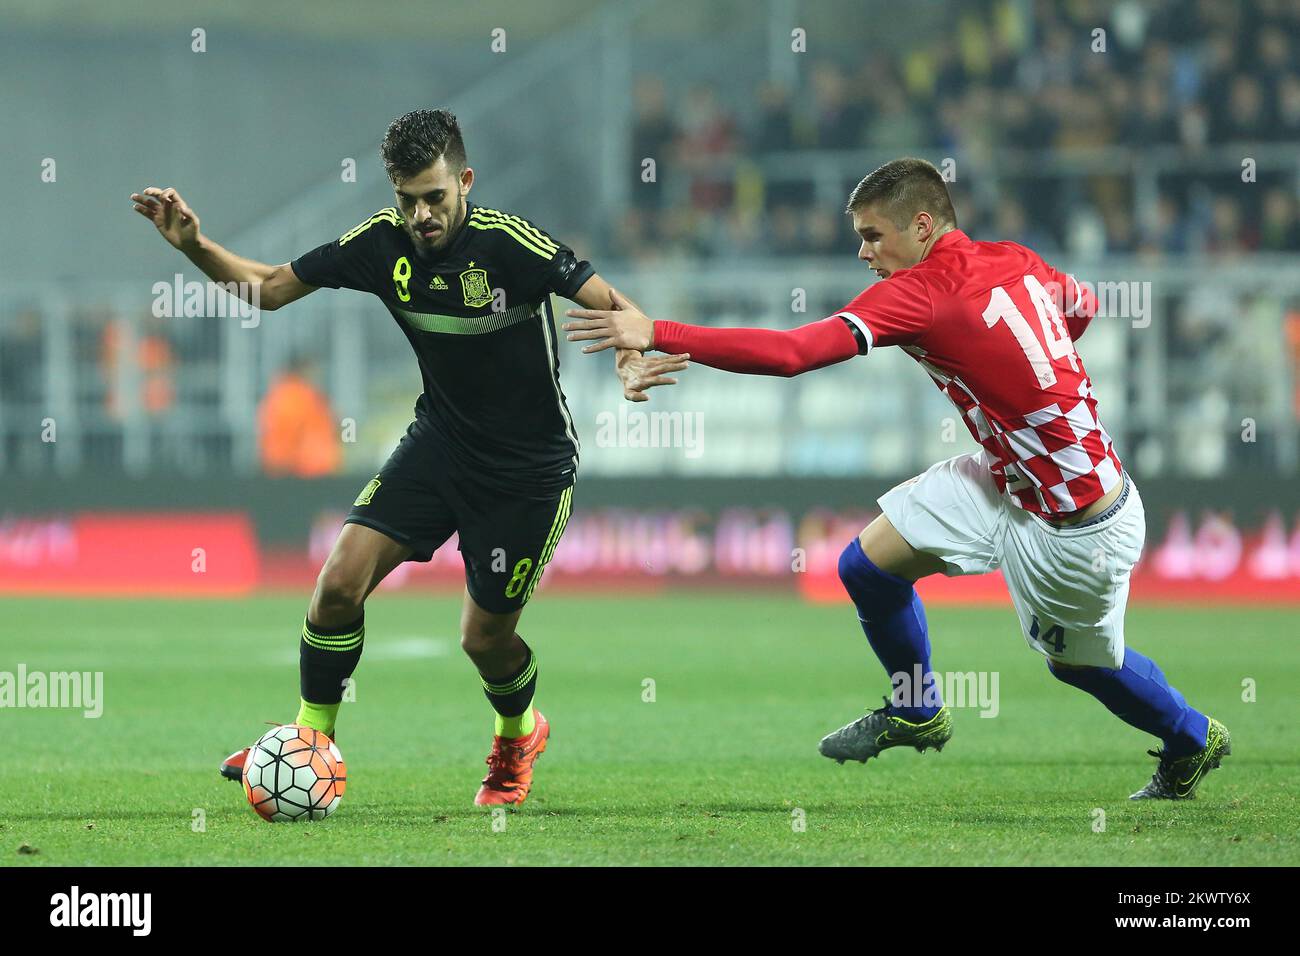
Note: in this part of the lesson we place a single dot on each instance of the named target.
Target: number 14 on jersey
(1055, 335)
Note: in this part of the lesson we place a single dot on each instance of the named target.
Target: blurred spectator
(1052, 63)
(1151, 120)
(298, 435)
(776, 121)
(143, 354)
(635, 235)
(1203, 323)
(1166, 229)
(1273, 56)
(949, 75)
(1220, 65)
(708, 134)
(829, 233)
(1193, 127)
(839, 121)
(1227, 233)
(894, 126)
(743, 234)
(1121, 235)
(785, 235)
(1085, 237)
(1244, 118)
(1287, 108)
(1023, 125)
(1013, 226)
(1279, 224)
(652, 133)
(1089, 126)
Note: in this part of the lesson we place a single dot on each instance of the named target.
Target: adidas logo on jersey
(437, 282)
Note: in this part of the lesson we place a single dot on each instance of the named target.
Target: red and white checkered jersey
(995, 326)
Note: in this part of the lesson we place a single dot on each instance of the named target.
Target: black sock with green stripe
(512, 698)
(327, 656)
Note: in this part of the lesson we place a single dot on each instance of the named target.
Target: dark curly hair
(415, 140)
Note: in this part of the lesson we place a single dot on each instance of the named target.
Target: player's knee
(1073, 674)
(871, 588)
(477, 639)
(471, 641)
(338, 594)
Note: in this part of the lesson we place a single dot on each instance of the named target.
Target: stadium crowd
(1028, 81)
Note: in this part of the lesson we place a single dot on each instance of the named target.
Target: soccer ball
(294, 773)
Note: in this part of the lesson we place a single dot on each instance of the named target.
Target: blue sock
(1138, 694)
(893, 619)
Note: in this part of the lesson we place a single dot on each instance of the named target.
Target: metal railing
(1202, 381)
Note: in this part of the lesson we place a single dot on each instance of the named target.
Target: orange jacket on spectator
(297, 431)
(153, 358)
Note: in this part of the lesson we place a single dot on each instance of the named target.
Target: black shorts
(421, 497)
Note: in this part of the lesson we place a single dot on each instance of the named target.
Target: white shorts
(1069, 585)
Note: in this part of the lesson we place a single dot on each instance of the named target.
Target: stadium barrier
(1208, 540)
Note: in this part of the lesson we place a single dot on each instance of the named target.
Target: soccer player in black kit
(492, 453)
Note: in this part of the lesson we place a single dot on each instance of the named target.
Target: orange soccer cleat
(510, 767)
(232, 768)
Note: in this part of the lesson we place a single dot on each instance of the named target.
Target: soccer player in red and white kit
(1046, 498)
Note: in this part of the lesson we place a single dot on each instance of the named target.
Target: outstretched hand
(639, 372)
(173, 218)
(625, 327)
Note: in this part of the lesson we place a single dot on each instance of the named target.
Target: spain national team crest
(474, 283)
(368, 492)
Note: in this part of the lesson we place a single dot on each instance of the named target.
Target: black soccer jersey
(480, 319)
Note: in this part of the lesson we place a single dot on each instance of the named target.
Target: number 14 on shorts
(1053, 637)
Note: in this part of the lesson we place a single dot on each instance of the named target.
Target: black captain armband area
(571, 274)
(858, 337)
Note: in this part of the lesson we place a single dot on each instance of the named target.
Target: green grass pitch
(718, 769)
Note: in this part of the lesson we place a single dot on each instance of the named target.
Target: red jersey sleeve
(784, 352)
(1078, 303)
(895, 311)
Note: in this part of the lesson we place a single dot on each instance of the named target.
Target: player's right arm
(896, 311)
(179, 225)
